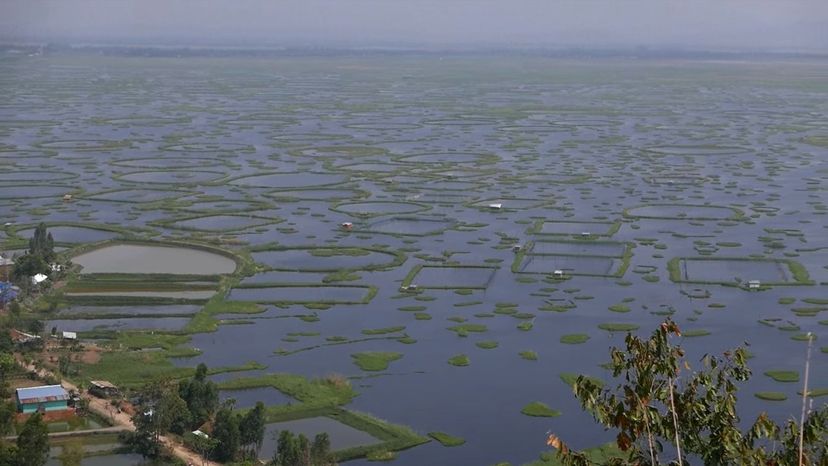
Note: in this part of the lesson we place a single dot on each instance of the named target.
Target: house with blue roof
(44, 398)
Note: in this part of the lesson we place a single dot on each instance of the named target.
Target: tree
(8, 411)
(252, 430)
(160, 411)
(42, 244)
(172, 413)
(72, 453)
(202, 445)
(14, 311)
(200, 395)
(287, 450)
(298, 451)
(27, 266)
(7, 367)
(226, 433)
(8, 453)
(35, 326)
(38, 258)
(143, 440)
(64, 364)
(693, 413)
(303, 446)
(33, 442)
(320, 452)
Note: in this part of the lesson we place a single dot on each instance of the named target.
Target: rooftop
(102, 384)
(42, 394)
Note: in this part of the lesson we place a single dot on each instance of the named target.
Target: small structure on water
(67, 197)
(558, 274)
(496, 206)
(45, 398)
(103, 389)
(754, 284)
(347, 226)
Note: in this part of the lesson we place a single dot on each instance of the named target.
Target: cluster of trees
(38, 258)
(188, 405)
(664, 412)
(294, 450)
(31, 447)
(237, 436)
(165, 406)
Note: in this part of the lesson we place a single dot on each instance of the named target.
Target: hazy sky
(779, 24)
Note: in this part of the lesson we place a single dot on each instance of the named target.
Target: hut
(754, 284)
(45, 398)
(103, 389)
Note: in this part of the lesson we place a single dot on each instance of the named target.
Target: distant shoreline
(161, 50)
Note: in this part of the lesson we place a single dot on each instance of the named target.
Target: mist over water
(800, 25)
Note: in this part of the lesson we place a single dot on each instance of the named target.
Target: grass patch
(383, 331)
(312, 393)
(783, 376)
(529, 355)
(459, 360)
(575, 338)
(381, 455)
(539, 409)
(771, 396)
(466, 328)
(205, 321)
(487, 344)
(525, 326)
(817, 392)
(136, 368)
(375, 360)
(616, 327)
(447, 440)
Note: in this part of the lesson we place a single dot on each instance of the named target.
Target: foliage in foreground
(32, 447)
(661, 412)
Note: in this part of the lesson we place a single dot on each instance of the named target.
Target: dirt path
(122, 420)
